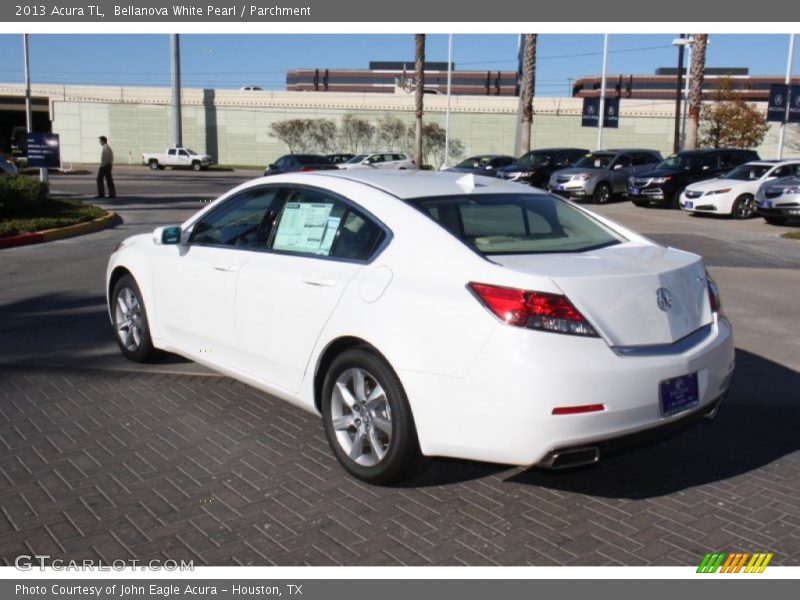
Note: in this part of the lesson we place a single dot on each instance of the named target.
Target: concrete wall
(240, 134)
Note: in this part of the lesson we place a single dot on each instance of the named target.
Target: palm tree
(528, 83)
(698, 70)
(419, 91)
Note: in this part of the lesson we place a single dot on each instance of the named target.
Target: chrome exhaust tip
(568, 458)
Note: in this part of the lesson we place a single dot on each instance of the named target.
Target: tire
(775, 220)
(196, 166)
(381, 447)
(602, 193)
(131, 326)
(744, 207)
(676, 199)
(153, 165)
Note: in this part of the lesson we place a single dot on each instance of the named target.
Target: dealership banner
(326, 11)
(794, 104)
(776, 107)
(591, 111)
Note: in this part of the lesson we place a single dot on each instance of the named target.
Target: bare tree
(528, 84)
(419, 92)
(433, 138)
(392, 133)
(698, 70)
(323, 135)
(729, 121)
(295, 133)
(355, 134)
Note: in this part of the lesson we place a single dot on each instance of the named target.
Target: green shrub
(20, 195)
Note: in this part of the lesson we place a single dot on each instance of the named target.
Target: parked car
(779, 201)
(735, 192)
(380, 160)
(536, 167)
(7, 165)
(483, 164)
(599, 175)
(177, 158)
(289, 163)
(339, 158)
(422, 316)
(665, 183)
(250, 88)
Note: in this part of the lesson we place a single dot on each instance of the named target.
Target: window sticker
(307, 227)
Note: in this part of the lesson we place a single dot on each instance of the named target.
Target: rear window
(311, 159)
(595, 161)
(517, 223)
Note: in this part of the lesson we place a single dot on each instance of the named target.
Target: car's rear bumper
(502, 410)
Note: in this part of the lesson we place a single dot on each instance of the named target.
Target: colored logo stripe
(735, 562)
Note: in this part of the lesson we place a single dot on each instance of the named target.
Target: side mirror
(705, 167)
(166, 236)
(617, 167)
(272, 166)
(489, 167)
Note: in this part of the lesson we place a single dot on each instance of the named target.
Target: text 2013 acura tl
(431, 314)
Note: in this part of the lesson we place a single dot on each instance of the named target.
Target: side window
(183, 153)
(281, 162)
(316, 224)
(561, 160)
(171, 152)
(642, 159)
(388, 157)
(243, 221)
(795, 169)
(376, 158)
(781, 172)
(624, 161)
(398, 157)
(710, 162)
(308, 223)
(576, 156)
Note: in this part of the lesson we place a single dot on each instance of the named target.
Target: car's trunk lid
(617, 289)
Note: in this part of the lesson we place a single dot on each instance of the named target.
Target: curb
(49, 235)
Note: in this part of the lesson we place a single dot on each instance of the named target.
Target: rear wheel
(368, 420)
(676, 199)
(153, 165)
(775, 220)
(744, 207)
(602, 193)
(130, 320)
(196, 166)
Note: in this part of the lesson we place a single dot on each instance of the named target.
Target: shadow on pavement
(757, 424)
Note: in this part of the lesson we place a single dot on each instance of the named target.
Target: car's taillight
(534, 310)
(306, 169)
(713, 295)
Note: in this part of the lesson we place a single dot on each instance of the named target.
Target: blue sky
(247, 59)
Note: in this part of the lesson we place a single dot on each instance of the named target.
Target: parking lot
(102, 458)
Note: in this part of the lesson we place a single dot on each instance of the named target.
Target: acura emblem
(664, 299)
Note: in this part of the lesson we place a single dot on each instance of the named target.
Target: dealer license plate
(689, 204)
(678, 394)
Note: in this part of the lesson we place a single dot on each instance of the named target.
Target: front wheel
(196, 166)
(130, 320)
(154, 165)
(368, 420)
(744, 207)
(676, 199)
(602, 193)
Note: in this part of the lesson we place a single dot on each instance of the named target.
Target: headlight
(661, 179)
(720, 191)
(582, 177)
(630, 181)
(792, 190)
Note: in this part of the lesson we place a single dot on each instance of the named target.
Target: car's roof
(419, 184)
(556, 149)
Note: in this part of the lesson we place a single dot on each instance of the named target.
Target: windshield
(748, 172)
(680, 162)
(475, 162)
(517, 223)
(192, 152)
(357, 159)
(595, 161)
(534, 159)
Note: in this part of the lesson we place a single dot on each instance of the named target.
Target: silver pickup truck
(177, 157)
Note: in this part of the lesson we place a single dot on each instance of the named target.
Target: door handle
(319, 281)
(225, 268)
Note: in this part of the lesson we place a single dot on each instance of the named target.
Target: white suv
(379, 160)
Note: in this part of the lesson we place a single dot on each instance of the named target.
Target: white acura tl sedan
(431, 314)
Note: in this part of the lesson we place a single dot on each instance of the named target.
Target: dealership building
(233, 126)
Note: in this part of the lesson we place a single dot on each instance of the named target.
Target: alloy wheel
(128, 319)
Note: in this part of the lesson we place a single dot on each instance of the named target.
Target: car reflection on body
(431, 314)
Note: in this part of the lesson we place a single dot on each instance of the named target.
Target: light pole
(602, 95)
(788, 95)
(175, 52)
(676, 138)
(687, 43)
(447, 114)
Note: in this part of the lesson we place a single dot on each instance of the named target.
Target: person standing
(104, 172)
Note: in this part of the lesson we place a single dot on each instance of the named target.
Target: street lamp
(685, 42)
